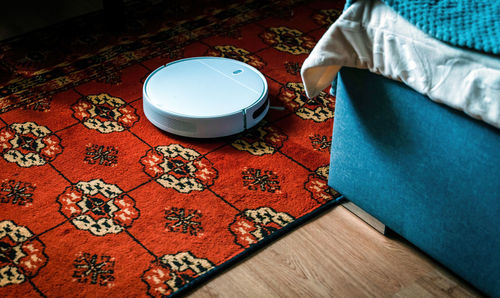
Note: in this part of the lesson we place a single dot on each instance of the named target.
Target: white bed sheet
(370, 35)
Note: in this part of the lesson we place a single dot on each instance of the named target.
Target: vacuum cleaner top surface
(205, 97)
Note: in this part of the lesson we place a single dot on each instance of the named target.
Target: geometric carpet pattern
(96, 201)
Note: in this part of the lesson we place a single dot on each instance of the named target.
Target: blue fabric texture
(430, 173)
(472, 24)
(333, 87)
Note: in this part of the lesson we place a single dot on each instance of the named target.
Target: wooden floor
(337, 255)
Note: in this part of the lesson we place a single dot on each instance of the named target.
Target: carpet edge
(227, 264)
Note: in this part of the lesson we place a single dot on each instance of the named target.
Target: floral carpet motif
(95, 200)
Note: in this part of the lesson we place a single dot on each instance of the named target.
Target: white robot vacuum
(205, 97)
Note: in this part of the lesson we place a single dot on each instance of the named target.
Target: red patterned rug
(95, 201)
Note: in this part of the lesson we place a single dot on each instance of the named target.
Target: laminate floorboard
(337, 255)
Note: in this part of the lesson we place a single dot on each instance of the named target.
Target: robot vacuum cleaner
(205, 97)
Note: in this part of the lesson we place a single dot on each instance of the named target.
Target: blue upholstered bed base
(430, 173)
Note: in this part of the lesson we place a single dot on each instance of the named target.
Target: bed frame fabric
(430, 173)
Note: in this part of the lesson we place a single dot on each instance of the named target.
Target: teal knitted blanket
(472, 24)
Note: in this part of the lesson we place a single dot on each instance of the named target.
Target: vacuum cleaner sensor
(205, 97)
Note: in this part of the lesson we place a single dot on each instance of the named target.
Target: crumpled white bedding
(372, 36)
